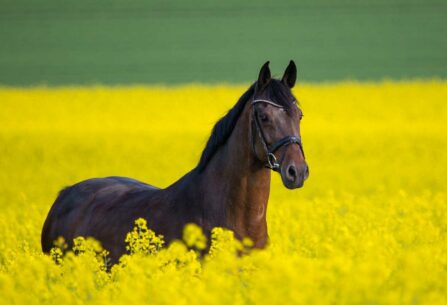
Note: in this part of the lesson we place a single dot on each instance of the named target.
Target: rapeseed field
(369, 226)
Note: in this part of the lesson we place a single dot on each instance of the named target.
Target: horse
(228, 188)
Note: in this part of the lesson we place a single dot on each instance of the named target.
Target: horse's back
(72, 208)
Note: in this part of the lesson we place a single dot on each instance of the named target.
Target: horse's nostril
(291, 171)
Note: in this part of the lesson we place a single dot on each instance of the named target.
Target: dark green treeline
(58, 42)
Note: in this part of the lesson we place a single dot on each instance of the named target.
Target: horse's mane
(223, 128)
(275, 91)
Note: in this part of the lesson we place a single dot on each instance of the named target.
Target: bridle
(270, 150)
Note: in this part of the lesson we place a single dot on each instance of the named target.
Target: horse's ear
(289, 77)
(264, 76)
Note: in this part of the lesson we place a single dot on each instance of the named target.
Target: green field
(121, 42)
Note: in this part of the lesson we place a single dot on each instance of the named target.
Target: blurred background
(60, 42)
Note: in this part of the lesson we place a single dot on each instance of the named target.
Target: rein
(272, 162)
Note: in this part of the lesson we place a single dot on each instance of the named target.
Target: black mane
(223, 128)
(275, 91)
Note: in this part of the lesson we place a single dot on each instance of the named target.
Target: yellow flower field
(369, 226)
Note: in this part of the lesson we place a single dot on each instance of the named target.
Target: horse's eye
(263, 117)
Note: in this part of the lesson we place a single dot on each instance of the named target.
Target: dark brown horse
(229, 187)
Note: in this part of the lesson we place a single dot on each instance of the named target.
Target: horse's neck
(237, 186)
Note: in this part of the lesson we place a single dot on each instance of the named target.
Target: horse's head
(276, 120)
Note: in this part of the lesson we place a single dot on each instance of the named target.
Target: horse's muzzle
(293, 176)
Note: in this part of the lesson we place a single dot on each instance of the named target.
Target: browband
(267, 102)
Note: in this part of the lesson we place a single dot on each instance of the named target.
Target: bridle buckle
(272, 161)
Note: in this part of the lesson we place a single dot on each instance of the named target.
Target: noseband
(270, 150)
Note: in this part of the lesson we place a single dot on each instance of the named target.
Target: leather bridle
(270, 150)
